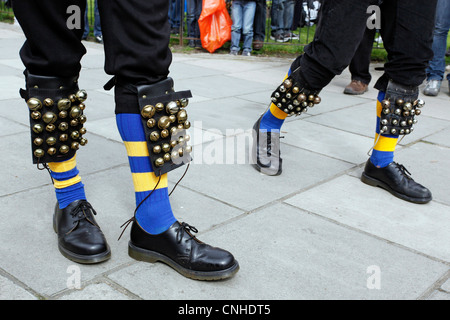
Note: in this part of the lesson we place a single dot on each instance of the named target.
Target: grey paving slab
(11, 291)
(348, 201)
(440, 138)
(327, 141)
(244, 187)
(326, 261)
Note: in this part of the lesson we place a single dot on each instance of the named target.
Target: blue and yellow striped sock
(273, 118)
(155, 214)
(383, 151)
(67, 182)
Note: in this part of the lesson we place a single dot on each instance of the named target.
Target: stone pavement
(315, 232)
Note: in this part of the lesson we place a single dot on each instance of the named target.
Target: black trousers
(406, 29)
(360, 64)
(136, 37)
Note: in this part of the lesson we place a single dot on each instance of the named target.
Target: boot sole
(153, 257)
(377, 183)
(83, 259)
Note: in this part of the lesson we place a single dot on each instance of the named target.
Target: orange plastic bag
(215, 24)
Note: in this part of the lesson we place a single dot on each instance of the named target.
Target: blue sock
(383, 150)
(67, 182)
(155, 214)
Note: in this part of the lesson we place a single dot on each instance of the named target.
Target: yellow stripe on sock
(66, 183)
(136, 148)
(63, 166)
(385, 143)
(379, 108)
(277, 112)
(146, 181)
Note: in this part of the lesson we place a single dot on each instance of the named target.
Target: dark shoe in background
(356, 87)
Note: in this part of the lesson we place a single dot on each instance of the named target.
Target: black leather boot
(181, 250)
(397, 180)
(266, 155)
(79, 236)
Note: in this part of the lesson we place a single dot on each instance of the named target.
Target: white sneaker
(432, 88)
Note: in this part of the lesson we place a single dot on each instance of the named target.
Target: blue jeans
(175, 13)
(194, 9)
(243, 13)
(436, 68)
(282, 15)
(97, 27)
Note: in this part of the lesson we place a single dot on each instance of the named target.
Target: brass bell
(49, 117)
(420, 103)
(383, 129)
(156, 149)
(166, 147)
(50, 127)
(174, 155)
(386, 110)
(63, 137)
(398, 111)
(159, 106)
(74, 135)
(172, 107)
(184, 102)
(182, 116)
(301, 97)
(48, 102)
(164, 122)
(154, 136)
(34, 104)
(51, 151)
(288, 95)
(74, 122)
(63, 126)
(81, 95)
(38, 128)
(75, 112)
(38, 153)
(180, 152)
(64, 104)
(82, 130)
(317, 100)
(181, 140)
(165, 133)
(295, 90)
(384, 122)
(418, 112)
(173, 130)
(394, 131)
(188, 149)
(148, 111)
(35, 115)
(166, 157)
(187, 125)
(50, 141)
(75, 145)
(63, 114)
(386, 103)
(83, 141)
(311, 97)
(394, 122)
(38, 141)
(282, 89)
(187, 137)
(82, 106)
(408, 106)
(287, 83)
(400, 102)
(173, 143)
(173, 118)
(159, 162)
(64, 149)
(72, 98)
(151, 123)
(82, 119)
(403, 123)
(180, 126)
